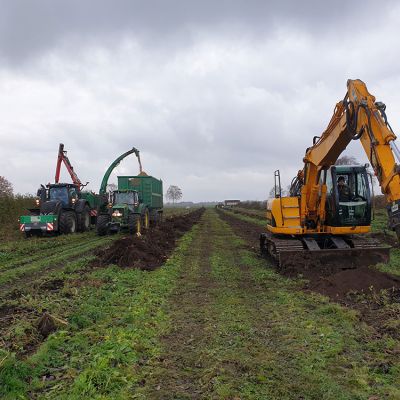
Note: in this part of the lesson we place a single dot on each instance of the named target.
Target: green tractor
(61, 207)
(134, 206)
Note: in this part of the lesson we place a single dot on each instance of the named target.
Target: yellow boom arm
(357, 116)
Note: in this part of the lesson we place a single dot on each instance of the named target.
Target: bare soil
(150, 250)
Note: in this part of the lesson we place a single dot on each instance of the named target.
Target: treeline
(11, 207)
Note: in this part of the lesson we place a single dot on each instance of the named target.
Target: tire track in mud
(13, 278)
(40, 253)
(217, 331)
(178, 372)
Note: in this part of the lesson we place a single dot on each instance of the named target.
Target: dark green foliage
(11, 208)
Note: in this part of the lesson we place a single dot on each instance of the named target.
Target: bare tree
(6, 188)
(285, 192)
(347, 160)
(174, 193)
(111, 187)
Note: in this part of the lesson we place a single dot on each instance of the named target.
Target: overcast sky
(215, 94)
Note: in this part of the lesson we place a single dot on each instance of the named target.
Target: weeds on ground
(112, 329)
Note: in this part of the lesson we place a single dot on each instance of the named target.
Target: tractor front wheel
(83, 219)
(135, 224)
(67, 222)
(102, 224)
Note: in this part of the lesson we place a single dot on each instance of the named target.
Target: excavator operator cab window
(348, 198)
(353, 198)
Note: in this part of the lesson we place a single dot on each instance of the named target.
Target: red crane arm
(62, 158)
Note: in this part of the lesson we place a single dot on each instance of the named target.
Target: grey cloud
(29, 28)
(216, 95)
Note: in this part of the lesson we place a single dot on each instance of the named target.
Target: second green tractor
(135, 205)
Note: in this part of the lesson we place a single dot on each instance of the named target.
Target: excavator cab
(348, 196)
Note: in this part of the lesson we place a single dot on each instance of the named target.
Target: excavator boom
(357, 117)
(329, 207)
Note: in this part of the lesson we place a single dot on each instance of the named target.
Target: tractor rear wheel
(102, 224)
(83, 219)
(67, 222)
(135, 224)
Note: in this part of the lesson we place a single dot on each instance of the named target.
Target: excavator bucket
(294, 256)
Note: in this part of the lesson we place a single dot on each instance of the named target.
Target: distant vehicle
(231, 203)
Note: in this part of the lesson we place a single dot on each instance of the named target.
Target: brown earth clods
(361, 280)
(150, 250)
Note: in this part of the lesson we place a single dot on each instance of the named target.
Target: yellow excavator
(323, 221)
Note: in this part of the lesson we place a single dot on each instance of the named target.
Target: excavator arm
(357, 117)
(103, 186)
(62, 158)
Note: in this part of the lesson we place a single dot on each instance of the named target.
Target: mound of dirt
(150, 250)
(361, 280)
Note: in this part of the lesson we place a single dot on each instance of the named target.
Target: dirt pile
(150, 250)
(361, 280)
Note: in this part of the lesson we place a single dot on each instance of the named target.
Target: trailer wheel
(135, 224)
(83, 220)
(102, 224)
(67, 222)
(156, 218)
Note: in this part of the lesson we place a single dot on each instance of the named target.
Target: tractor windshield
(60, 194)
(124, 198)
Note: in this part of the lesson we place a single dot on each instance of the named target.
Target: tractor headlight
(116, 214)
(73, 201)
(37, 202)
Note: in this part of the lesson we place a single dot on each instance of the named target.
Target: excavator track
(296, 255)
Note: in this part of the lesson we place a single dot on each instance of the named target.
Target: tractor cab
(123, 203)
(68, 194)
(348, 196)
(126, 198)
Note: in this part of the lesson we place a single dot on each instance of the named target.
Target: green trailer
(134, 206)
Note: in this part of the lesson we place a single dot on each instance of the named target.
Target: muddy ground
(375, 294)
(150, 250)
